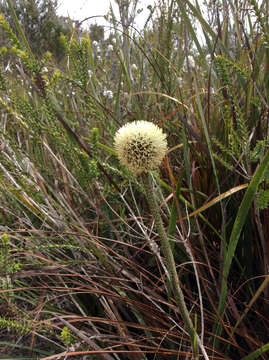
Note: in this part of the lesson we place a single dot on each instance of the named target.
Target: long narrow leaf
(256, 354)
(217, 199)
(238, 226)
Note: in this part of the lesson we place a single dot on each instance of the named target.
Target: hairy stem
(146, 178)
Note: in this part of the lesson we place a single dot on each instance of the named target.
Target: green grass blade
(189, 26)
(257, 353)
(17, 346)
(238, 226)
(217, 199)
(255, 297)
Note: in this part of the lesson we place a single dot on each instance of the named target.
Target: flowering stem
(146, 179)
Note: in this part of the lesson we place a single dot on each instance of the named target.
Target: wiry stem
(146, 178)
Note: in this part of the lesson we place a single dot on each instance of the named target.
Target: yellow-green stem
(171, 266)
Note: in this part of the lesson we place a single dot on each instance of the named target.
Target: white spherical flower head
(140, 146)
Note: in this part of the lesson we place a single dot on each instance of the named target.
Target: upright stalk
(147, 183)
(140, 147)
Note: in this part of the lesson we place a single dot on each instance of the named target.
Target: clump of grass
(81, 268)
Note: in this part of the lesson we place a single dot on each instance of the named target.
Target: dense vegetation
(82, 272)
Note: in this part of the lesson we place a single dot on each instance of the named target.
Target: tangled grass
(82, 273)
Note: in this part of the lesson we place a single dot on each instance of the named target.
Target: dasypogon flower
(140, 146)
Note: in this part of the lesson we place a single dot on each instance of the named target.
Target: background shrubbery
(82, 275)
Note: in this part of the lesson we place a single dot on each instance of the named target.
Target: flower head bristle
(140, 146)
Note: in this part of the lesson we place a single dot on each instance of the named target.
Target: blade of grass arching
(190, 28)
(207, 32)
(257, 353)
(237, 228)
(198, 14)
(205, 26)
(255, 297)
(217, 199)
(20, 30)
